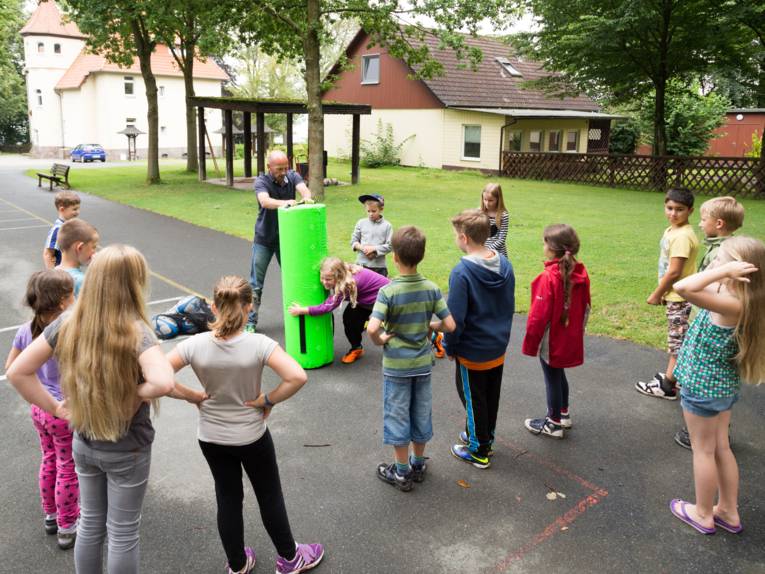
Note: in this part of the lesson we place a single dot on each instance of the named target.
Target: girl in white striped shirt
(493, 205)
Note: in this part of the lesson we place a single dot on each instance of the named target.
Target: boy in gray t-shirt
(372, 235)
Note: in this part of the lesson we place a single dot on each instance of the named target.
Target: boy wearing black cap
(372, 236)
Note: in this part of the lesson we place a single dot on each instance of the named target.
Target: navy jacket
(482, 303)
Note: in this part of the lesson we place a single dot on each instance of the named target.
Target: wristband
(266, 401)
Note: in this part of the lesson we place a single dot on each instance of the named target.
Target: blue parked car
(88, 152)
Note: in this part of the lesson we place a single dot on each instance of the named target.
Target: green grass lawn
(619, 229)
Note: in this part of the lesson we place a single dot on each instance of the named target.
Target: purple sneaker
(307, 556)
(249, 564)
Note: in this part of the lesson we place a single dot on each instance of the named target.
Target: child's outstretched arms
(296, 310)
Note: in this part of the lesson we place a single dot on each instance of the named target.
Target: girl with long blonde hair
(352, 283)
(111, 366)
(232, 432)
(725, 345)
(493, 205)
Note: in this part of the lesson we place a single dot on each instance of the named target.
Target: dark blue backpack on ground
(190, 315)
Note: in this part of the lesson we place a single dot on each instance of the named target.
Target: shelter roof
(269, 106)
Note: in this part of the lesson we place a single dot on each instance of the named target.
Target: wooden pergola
(260, 108)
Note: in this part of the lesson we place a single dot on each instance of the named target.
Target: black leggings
(353, 323)
(557, 390)
(259, 462)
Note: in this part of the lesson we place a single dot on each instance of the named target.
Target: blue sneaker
(418, 471)
(463, 453)
(466, 441)
(387, 473)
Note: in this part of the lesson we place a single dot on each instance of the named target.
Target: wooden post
(247, 144)
(229, 124)
(261, 135)
(355, 143)
(202, 165)
(290, 151)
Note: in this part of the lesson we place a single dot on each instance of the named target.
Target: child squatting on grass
(356, 285)
(50, 293)
(560, 306)
(724, 345)
(401, 323)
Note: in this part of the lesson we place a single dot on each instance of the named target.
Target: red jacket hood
(578, 275)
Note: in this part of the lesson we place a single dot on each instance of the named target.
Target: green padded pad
(303, 244)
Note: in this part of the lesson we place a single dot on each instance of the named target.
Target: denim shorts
(706, 407)
(407, 410)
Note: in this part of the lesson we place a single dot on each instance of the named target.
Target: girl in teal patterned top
(724, 346)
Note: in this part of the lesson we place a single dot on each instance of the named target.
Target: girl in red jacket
(560, 304)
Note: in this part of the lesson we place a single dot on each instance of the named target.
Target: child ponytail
(342, 274)
(46, 290)
(231, 294)
(563, 242)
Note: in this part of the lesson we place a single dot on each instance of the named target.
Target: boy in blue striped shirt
(401, 323)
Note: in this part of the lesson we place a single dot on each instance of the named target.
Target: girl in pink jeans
(48, 294)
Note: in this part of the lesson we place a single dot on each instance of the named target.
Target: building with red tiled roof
(466, 117)
(76, 97)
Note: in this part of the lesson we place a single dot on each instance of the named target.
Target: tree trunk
(191, 132)
(311, 49)
(659, 121)
(144, 47)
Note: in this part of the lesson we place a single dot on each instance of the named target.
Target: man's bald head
(278, 165)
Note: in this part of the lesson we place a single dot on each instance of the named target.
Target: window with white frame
(56, 48)
(129, 85)
(508, 67)
(471, 146)
(40, 48)
(535, 140)
(38, 93)
(515, 140)
(572, 140)
(161, 91)
(370, 69)
(553, 140)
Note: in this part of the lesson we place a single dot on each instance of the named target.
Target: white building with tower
(77, 98)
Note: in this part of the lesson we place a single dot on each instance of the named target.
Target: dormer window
(370, 69)
(40, 48)
(508, 67)
(56, 48)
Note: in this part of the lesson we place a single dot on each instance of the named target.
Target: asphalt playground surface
(617, 468)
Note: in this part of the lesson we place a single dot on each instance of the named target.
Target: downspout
(61, 121)
(502, 141)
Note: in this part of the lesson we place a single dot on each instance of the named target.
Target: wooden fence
(742, 177)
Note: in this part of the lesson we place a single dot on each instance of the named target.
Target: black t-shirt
(267, 224)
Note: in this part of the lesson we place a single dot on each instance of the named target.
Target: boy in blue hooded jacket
(482, 302)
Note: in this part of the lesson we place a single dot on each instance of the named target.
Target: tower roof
(47, 20)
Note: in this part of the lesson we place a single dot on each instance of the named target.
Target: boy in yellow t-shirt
(677, 259)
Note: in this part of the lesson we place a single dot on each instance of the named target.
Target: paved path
(617, 468)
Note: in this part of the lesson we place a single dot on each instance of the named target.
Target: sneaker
(353, 355)
(387, 473)
(438, 345)
(544, 427)
(248, 565)
(67, 536)
(466, 441)
(51, 526)
(306, 557)
(463, 453)
(661, 389)
(565, 421)
(418, 471)
(250, 327)
(683, 438)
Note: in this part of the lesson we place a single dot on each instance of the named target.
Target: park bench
(59, 174)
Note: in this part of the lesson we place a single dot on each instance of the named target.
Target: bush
(299, 150)
(625, 136)
(381, 150)
(756, 149)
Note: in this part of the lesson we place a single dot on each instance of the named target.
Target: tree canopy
(14, 125)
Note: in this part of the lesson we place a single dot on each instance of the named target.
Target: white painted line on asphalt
(3, 378)
(23, 227)
(17, 219)
(158, 301)
(13, 328)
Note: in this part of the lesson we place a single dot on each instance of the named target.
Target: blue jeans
(706, 407)
(557, 390)
(407, 410)
(261, 258)
(112, 488)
